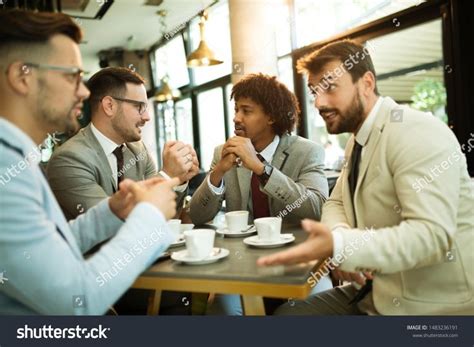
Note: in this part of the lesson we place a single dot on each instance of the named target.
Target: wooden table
(235, 274)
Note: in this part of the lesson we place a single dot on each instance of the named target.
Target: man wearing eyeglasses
(41, 254)
(90, 166)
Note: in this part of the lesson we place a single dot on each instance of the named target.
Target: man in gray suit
(91, 164)
(41, 254)
(263, 169)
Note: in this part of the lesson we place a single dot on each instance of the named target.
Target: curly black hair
(277, 101)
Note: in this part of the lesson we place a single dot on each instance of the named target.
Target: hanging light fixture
(165, 93)
(203, 55)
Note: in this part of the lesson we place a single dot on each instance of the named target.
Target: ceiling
(131, 18)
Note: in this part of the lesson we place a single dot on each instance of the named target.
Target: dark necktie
(353, 176)
(354, 173)
(259, 198)
(118, 152)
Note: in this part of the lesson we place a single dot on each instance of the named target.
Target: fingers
(172, 182)
(312, 227)
(169, 144)
(293, 255)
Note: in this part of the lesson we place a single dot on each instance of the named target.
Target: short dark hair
(277, 101)
(19, 26)
(341, 51)
(111, 81)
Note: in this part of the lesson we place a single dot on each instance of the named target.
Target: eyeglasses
(75, 72)
(142, 106)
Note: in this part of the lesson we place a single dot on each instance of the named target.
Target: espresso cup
(237, 220)
(199, 243)
(175, 227)
(268, 228)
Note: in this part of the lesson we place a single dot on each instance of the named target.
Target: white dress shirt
(109, 146)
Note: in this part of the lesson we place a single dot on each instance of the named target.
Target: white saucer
(182, 256)
(179, 242)
(256, 242)
(227, 233)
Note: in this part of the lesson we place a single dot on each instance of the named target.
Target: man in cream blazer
(407, 231)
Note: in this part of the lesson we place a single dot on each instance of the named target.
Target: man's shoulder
(77, 146)
(301, 145)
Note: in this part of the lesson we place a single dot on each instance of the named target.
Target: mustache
(327, 110)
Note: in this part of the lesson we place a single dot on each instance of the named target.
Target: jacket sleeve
(205, 204)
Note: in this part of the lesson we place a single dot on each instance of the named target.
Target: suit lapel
(373, 141)
(281, 155)
(102, 161)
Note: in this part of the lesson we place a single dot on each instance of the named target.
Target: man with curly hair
(263, 168)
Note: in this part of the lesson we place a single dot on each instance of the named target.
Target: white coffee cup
(237, 220)
(268, 228)
(199, 242)
(175, 227)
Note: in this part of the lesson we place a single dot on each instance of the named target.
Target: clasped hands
(180, 160)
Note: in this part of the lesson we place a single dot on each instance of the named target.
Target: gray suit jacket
(80, 176)
(297, 187)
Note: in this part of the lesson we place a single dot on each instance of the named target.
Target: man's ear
(19, 77)
(108, 105)
(368, 83)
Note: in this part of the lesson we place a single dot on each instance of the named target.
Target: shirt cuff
(181, 188)
(216, 190)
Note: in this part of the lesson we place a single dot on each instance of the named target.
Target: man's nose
(83, 92)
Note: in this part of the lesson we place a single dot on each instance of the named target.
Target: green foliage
(430, 96)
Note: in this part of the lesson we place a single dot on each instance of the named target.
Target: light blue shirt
(42, 270)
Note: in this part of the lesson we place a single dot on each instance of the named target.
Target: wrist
(216, 176)
(259, 168)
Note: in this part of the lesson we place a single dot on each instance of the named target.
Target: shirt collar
(270, 150)
(107, 144)
(364, 132)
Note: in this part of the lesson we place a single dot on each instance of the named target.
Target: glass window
(149, 134)
(217, 36)
(315, 18)
(211, 124)
(184, 121)
(230, 111)
(417, 78)
(281, 13)
(285, 72)
(171, 59)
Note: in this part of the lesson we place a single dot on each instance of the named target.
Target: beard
(121, 127)
(55, 119)
(347, 120)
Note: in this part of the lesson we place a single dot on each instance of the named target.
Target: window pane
(211, 124)
(149, 134)
(417, 78)
(315, 19)
(230, 111)
(218, 38)
(282, 28)
(184, 121)
(171, 59)
(285, 72)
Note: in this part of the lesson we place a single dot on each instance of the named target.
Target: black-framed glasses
(76, 72)
(142, 106)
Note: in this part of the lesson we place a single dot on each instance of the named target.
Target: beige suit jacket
(414, 191)
(297, 187)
